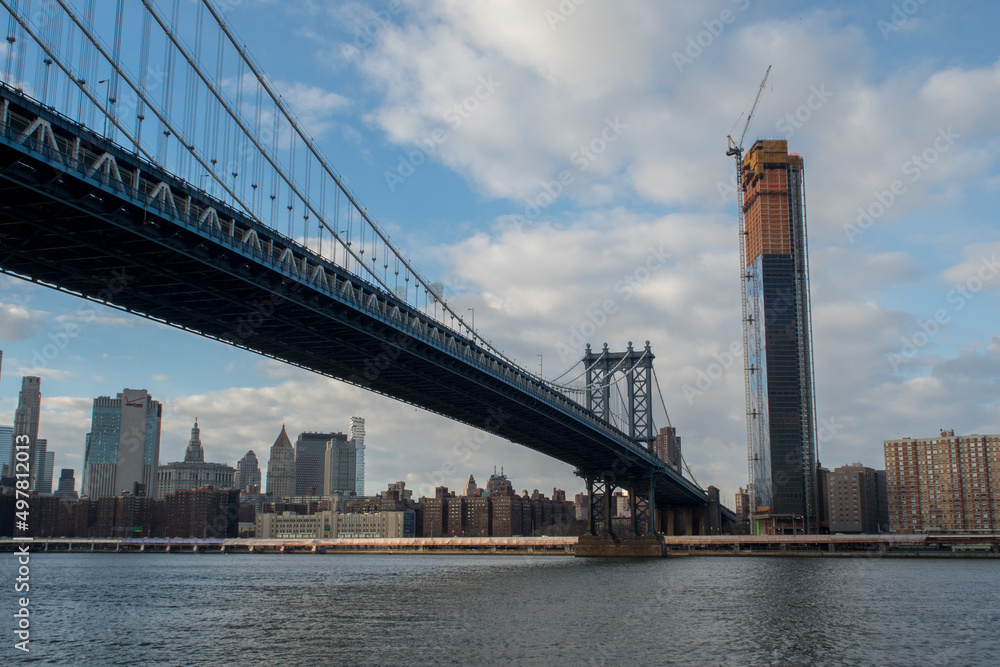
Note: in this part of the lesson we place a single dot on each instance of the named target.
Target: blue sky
(873, 95)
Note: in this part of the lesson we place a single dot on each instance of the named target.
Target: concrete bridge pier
(601, 539)
(713, 513)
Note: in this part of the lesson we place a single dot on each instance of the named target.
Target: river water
(190, 609)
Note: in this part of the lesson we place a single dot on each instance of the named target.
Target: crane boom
(734, 146)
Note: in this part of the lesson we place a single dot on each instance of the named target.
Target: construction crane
(758, 468)
(736, 147)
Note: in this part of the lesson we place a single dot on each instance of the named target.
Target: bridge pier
(603, 541)
(713, 513)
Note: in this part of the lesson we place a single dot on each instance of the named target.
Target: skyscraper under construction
(777, 339)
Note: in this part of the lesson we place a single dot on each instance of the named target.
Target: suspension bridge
(164, 174)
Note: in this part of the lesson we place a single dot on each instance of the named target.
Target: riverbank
(864, 546)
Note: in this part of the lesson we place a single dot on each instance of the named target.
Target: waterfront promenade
(937, 545)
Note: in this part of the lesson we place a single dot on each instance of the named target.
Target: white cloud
(859, 134)
(979, 270)
(45, 373)
(313, 106)
(18, 322)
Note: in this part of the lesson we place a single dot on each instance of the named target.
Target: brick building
(946, 482)
(854, 500)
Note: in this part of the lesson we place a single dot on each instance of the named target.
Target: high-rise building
(123, 446)
(946, 482)
(44, 462)
(471, 487)
(248, 474)
(823, 498)
(194, 472)
(358, 438)
(67, 485)
(498, 484)
(310, 460)
(777, 330)
(26, 416)
(852, 493)
(882, 500)
(668, 447)
(339, 466)
(6, 435)
(281, 467)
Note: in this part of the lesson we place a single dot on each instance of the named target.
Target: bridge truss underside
(82, 236)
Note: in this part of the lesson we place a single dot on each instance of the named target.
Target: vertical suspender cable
(11, 40)
(111, 109)
(143, 77)
(162, 143)
(21, 44)
(68, 89)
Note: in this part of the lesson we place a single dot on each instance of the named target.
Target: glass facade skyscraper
(123, 446)
(310, 450)
(6, 436)
(778, 338)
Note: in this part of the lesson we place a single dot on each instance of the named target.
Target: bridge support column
(652, 516)
(608, 513)
(633, 500)
(713, 513)
(591, 522)
(683, 521)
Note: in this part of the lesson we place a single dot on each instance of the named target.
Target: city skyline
(194, 450)
(905, 279)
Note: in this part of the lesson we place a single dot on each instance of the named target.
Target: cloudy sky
(536, 155)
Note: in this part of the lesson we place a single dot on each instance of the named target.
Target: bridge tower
(637, 368)
(605, 372)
